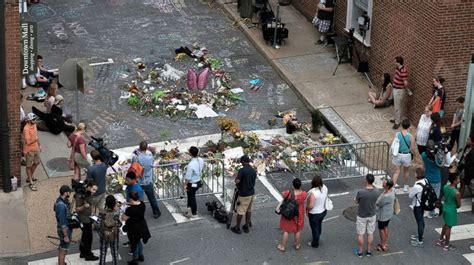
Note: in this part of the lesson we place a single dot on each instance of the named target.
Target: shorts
(244, 204)
(32, 158)
(366, 224)
(382, 224)
(322, 25)
(80, 161)
(402, 160)
(64, 245)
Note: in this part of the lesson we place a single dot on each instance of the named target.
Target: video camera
(106, 156)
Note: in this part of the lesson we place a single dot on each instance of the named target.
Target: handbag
(328, 204)
(396, 206)
(403, 137)
(395, 147)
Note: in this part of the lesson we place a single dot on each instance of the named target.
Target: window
(355, 10)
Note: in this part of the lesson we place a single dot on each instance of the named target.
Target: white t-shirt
(320, 196)
(423, 130)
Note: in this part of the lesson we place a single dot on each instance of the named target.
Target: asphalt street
(123, 30)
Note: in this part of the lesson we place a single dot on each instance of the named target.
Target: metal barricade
(168, 179)
(341, 161)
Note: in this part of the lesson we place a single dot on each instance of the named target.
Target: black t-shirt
(323, 15)
(435, 134)
(247, 176)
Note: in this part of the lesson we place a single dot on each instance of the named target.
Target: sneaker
(368, 254)
(91, 258)
(397, 186)
(449, 247)
(414, 237)
(396, 126)
(405, 188)
(245, 228)
(141, 258)
(236, 230)
(417, 243)
(359, 254)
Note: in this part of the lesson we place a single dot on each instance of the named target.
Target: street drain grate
(351, 213)
(59, 164)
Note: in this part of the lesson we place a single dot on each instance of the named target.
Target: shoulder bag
(403, 137)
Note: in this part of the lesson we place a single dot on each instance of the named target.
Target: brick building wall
(434, 37)
(12, 34)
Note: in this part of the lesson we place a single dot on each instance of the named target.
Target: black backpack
(289, 207)
(428, 197)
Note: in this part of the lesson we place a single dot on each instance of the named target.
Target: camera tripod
(347, 48)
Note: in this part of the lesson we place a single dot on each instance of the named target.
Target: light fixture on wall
(364, 24)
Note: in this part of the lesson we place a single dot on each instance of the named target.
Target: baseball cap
(58, 99)
(64, 189)
(30, 116)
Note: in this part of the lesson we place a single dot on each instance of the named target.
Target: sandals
(449, 247)
(381, 248)
(440, 242)
(34, 179)
(33, 187)
(297, 246)
(281, 248)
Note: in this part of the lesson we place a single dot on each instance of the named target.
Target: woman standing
(452, 201)
(385, 98)
(404, 157)
(136, 227)
(296, 224)
(423, 130)
(384, 206)
(316, 208)
(109, 230)
(78, 158)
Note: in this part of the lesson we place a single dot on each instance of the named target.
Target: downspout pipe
(4, 131)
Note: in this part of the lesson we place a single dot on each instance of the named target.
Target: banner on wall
(29, 48)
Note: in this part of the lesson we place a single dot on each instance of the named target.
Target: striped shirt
(401, 75)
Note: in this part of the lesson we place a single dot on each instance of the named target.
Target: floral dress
(297, 224)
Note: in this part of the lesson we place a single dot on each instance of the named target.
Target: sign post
(29, 47)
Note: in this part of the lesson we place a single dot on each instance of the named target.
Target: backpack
(108, 227)
(428, 197)
(136, 168)
(289, 207)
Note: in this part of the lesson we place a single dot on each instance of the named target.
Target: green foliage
(133, 101)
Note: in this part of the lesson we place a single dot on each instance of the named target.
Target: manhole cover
(59, 164)
(351, 213)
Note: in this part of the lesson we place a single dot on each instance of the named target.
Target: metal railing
(341, 161)
(168, 179)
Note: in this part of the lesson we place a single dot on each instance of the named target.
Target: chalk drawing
(60, 32)
(261, 198)
(72, 14)
(41, 11)
(77, 28)
(241, 61)
(166, 6)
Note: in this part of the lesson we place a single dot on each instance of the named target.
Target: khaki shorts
(80, 161)
(365, 224)
(32, 158)
(244, 204)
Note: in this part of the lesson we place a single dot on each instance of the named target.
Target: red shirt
(401, 75)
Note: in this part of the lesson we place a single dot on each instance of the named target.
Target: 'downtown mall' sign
(29, 48)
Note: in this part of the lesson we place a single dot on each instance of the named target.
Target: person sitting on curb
(385, 99)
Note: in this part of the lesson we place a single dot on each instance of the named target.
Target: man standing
(83, 209)
(61, 209)
(400, 85)
(96, 172)
(145, 159)
(245, 182)
(323, 19)
(192, 180)
(132, 185)
(415, 195)
(432, 171)
(366, 215)
(31, 149)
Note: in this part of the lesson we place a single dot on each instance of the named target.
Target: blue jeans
(316, 223)
(138, 251)
(150, 194)
(418, 212)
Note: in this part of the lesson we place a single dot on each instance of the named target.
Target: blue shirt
(62, 213)
(146, 160)
(404, 144)
(432, 171)
(136, 187)
(194, 169)
(97, 173)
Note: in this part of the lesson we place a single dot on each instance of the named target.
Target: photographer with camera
(61, 209)
(84, 199)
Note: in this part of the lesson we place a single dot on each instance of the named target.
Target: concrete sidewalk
(308, 69)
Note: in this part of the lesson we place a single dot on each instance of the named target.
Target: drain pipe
(4, 134)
